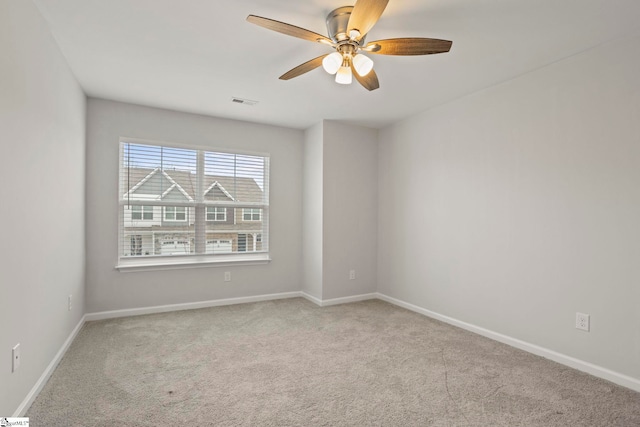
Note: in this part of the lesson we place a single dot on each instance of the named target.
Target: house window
(136, 244)
(242, 242)
(139, 213)
(216, 214)
(175, 213)
(251, 214)
(192, 189)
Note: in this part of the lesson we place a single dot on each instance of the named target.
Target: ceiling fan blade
(365, 14)
(408, 46)
(303, 68)
(369, 82)
(288, 29)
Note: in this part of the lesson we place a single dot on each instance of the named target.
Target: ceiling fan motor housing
(337, 22)
(347, 27)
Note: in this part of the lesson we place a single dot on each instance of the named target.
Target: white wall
(350, 209)
(516, 207)
(312, 211)
(109, 289)
(42, 147)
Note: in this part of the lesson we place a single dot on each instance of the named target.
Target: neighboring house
(166, 229)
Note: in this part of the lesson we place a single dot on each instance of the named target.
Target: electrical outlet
(582, 321)
(69, 305)
(15, 357)
(227, 276)
(352, 275)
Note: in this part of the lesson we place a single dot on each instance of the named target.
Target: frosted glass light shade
(332, 62)
(344, 76)
(362, 64)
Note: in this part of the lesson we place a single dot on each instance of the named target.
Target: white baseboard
(336, 301)
(187, 306)
(316, 301)
(572, 362)
(35, 390)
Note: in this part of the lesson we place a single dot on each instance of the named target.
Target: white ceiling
(195, 55)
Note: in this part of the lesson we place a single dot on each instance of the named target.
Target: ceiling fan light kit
(347, 28)
(362, 64)
(332, 62)
(344, 75)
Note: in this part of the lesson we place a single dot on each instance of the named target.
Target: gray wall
(42, 147)
(109, 289)
(516, 207)
(350, 209)
(312, 211)
(340, 210)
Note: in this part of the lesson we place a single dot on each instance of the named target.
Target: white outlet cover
(582, 321)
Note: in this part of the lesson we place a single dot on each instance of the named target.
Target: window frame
(201, 259)
(215, 214)
(135, 241)
(143, 212)
(251, 214)
(175, 213)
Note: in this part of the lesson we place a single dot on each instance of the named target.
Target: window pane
(189, 185)
(242, 242)
(155, 237)
(234, 177)
(216, 214)
(136, 244)
(170, 213)
(251, 214)
(147, 213)
(136, 212)
(181, 214)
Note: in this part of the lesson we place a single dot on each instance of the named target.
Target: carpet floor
(291, 363)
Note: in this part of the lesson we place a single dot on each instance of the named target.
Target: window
(140, 213)
(216, 214)
(136, 244)
(175, 213)
(251, 214)
(242, 242)
(191, 190)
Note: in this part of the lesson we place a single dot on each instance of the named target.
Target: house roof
(162, 182)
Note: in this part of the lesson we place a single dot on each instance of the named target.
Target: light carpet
(291, 363)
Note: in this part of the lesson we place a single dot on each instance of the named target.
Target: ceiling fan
(347, 27)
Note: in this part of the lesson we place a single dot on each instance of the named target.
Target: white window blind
(180, 203)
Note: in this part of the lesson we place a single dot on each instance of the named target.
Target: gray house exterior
(159, 217)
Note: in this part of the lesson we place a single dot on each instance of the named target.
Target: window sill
(140, 264)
